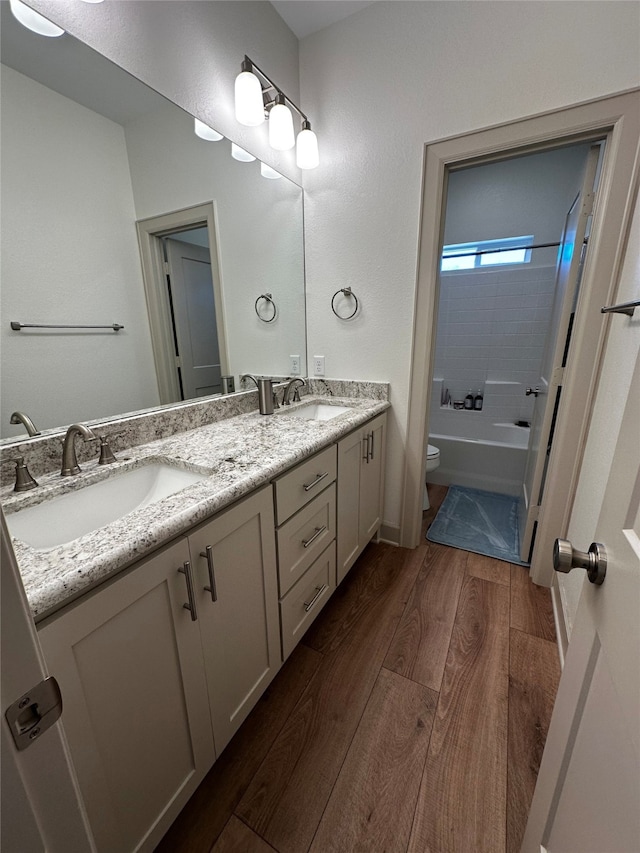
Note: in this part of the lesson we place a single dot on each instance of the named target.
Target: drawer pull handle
(319, 590)
(319, 531)
(371, 448)
(191, 606)
(208, 554)
(316, 481)
(365, 443)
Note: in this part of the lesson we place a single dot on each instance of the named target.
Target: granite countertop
(237, 455)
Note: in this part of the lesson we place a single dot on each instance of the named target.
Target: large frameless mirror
(116, 212)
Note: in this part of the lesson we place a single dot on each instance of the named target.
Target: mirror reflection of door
(193, 313)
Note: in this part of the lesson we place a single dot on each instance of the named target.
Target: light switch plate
(294, 365)
(318, 365)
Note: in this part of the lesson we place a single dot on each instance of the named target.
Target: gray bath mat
(478, 521)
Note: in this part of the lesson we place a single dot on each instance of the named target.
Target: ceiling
(304, 17)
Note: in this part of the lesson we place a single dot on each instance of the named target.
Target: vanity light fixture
(257, 97)
(201, 129)
(240, 154)
(307, 148)
(33, 20)
(281, 136)
(268, 172)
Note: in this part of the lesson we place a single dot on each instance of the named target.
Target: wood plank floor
(412, 717)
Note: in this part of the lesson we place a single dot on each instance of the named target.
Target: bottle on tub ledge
(468, 400)
(478, 400)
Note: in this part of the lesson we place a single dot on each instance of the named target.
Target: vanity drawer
(304, 536)
(301, 605)
(298, 487)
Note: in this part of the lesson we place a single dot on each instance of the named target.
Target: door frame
(617, 120)
(150, 231)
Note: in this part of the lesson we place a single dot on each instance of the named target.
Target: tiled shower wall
(491, 333)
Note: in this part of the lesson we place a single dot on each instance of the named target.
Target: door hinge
(34, 712)
(557, 377)
(587, 204)
(534, 512)
(178, 364)
(166, 267)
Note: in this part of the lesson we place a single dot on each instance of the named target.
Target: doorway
(611, 119)
(514, 231)
(183, 289)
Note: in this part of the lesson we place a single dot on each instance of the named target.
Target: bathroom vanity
(187, 607)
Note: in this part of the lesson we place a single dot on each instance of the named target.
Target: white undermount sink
(318, 411)
(66, 517)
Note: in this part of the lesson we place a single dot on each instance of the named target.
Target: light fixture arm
(268, 84)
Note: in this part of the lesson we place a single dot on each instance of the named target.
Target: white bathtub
(493, 459)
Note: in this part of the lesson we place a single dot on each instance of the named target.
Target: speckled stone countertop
(238, 455)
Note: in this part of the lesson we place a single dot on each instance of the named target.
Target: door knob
(566, 557)
(530, 391)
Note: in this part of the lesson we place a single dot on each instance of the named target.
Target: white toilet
(433, 460)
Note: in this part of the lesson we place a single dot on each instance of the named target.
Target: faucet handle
(24, 480)
(106, 454)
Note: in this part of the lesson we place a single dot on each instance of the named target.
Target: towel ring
(347, 292)
(269, 298)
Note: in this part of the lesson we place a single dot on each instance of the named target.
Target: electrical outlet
(318, 365)
(294, 365)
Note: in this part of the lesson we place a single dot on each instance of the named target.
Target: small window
(485, 253)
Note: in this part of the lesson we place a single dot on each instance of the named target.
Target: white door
(587, 798)
(194, 316)
(41, 807)
(549, 384)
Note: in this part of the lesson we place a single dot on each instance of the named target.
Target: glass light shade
(281, 136)
(307, 149)
(240, 154)
(268, 172)
(248, 96)
(34, 21)
(93, 1)
(201, 129)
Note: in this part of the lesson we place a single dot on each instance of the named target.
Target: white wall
(190, 51)
(62, 163)
(381, 84)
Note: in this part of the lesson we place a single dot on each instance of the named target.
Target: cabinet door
(240, 629)
(351, 451)
(371, 480)
(135, 708)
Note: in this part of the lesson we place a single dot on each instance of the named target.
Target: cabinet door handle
(191, 606)
(309, 604)
(319, 530)
(371, 448)
(320, 477)
(365, 442)
(208, 554)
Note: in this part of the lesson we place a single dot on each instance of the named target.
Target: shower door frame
(615, 119)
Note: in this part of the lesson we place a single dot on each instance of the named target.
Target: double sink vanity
(169, 587)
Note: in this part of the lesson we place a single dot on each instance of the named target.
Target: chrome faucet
(21, 418)
(69, 460)
(294, 385)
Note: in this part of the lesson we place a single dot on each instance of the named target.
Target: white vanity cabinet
(135, 707)
(306, 513)
(236, 589)
(360, 490)
(151, 693)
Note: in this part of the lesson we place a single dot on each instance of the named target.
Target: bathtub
(493, 459)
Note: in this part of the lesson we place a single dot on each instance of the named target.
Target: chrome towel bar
(624, 308)
(16, 326)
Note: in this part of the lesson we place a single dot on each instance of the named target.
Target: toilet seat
(432, 452)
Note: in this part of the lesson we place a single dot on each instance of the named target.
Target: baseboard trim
(390, 533)
(562, 634)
